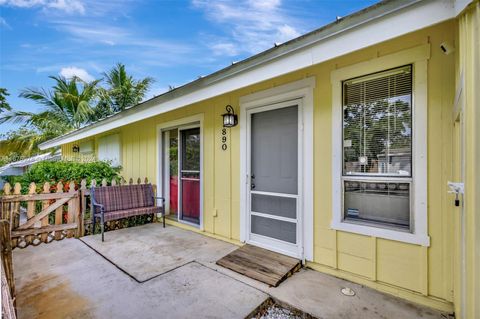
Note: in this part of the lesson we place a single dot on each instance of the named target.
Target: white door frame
(186, 122)
(286, 248)
(301, 90)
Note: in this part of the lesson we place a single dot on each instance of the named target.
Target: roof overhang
(31, 160)
(352, 33)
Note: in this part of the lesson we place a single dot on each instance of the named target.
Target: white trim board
(299, 90)
(418, 57)
(352, 37)
(198, 118)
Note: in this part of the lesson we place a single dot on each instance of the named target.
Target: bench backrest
(115, 198)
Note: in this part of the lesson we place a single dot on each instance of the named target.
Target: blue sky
(172, 41)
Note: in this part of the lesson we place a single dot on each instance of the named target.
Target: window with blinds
(377, 147)
(377, 124)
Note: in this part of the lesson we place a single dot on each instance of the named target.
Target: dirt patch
(49, 297)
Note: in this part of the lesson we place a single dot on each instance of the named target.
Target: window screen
(377, 148)
(377, 124)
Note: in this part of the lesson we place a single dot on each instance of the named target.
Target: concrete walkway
(67, 279)
(156, 250)
(151, 272)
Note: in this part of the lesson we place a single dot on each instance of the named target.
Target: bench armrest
(159, 197)
(94, 203)
(102, 208)
(163, 207)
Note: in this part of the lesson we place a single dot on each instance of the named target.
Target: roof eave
(322, 35)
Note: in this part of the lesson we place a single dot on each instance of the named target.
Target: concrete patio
(152, 272)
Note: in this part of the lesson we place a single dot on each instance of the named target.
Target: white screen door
(274, 172)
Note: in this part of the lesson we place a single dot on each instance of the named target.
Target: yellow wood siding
(418, 273)
(466, 164)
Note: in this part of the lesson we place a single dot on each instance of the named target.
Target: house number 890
(224, 139)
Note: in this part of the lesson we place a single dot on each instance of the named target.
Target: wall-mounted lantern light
(230, 118)
(75, 148)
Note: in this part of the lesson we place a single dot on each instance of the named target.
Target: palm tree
(4, 106)
(22, 142)
(67, 106)
(123, 90)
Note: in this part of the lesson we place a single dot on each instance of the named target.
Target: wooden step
(261, 264)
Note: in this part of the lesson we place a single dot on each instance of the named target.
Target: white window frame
(197, 121)
(418, 58)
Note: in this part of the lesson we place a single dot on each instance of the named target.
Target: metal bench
(117, 202)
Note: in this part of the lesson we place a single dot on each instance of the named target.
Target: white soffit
(373, 25)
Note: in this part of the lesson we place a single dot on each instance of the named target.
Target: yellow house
(346, 141)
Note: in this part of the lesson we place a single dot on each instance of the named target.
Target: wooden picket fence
(7, 278)
(8, 307)
(63, 205)
(55, 213)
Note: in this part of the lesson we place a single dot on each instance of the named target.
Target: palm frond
(16, 117)
(40, 96)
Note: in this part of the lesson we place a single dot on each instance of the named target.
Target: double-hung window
(379, 147)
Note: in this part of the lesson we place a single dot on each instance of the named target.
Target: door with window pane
(273, 188)
(189, 175)
(181, 173)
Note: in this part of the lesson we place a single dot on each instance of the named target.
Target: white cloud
(286, 32)
(109, 42)
(22, 3)
(92, 33)
(70, 72)
(264, 4)
(66, 6)
(253, 25)
(4, 24)
(104, 25)
(228, 49)
(127, 41)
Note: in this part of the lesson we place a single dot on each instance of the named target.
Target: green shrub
(66, 171)
(12, 179)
